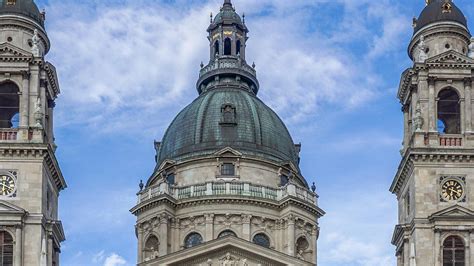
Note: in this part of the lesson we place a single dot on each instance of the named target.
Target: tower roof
(227, 16)
(440, 11)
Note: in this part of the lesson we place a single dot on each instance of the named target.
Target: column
(209, 227)
(163, 234)
(18, 246)
(468, 104)
(432, 105)
(140, 243)
(470, 250)
(34, 92)
(25, 93)
(423, 99)
(246, 227)
(291, 235)
(50, 249)
(406, 129)
(406, 252)
(437, 251)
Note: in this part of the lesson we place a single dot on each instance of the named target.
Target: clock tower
(434, 184)
(30, 178)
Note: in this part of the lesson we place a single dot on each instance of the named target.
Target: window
(228, 115)
(284, 180)
(261, 240)
(11, 2)
(6, 249)
(228, 169)
(449, 115)
(302, 244)
(192, 240)
(453, 252)
(227, 233)
(238, 46)
(227, 46)
(9, 105)
(216, 48)
(152, 246)
(170, 179)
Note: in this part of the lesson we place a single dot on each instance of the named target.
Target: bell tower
(434, 184)
(30, 177)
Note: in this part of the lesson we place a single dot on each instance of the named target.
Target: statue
(422, 56)
(35, 48)
(470, 53)
(419, 121)
(38, 114)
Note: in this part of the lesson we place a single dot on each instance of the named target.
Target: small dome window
(261, 240)
(228, 169)
(192, 240)
(447, 46)
(227, 46)
(227, 233)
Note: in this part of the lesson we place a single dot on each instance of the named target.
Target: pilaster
(164, 222)
(468, 104)
(246, 227)
(18, 260)
(291, 235)
(209, 226)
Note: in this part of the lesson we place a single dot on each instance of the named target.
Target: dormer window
(170, 179)
(228, 169)
(228, 115)
(284, 179)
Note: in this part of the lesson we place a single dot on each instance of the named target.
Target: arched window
(227, 46)
(238, 46)
(192, 240)
(216, 48)
(449, 115)
(261, 240)
(453, 252)
(227, 233)
(9, 105)
(302, 244)
(6, 249)
(152, 246)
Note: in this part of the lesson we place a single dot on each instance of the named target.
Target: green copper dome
(228, 117)
(26, 8)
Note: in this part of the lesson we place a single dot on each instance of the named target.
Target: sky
(330, 69)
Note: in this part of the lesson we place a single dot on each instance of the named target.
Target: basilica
(227, 188)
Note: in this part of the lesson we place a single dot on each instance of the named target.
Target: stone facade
(27, 151)
(227, 189)
(434, 184)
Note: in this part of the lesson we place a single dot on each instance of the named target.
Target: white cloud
(124, 67)
(114, 260)
(99, 257)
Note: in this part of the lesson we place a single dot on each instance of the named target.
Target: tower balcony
(225, 66)
(8, 134)
(228, 189)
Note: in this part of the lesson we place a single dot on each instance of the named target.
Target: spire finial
(227, 2)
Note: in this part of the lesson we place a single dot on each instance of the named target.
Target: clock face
(452, 190)
(7, 185)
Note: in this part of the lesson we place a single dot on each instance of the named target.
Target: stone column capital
(467, 81)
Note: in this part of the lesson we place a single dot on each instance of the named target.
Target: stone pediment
(228, 152)
(9, 208)
(227, 251)
(453, 213)
(8, 50)
(449, 58)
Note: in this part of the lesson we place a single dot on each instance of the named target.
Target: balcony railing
(450, 141)
(242, 189)
(8, 134)
(227, 63)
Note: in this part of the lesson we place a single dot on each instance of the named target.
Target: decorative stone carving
(35, 48)
(230, 260)
(419, 121)
(38, 114)
(422, 56)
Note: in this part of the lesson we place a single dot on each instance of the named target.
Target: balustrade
(8, 134)
(451, 141)
(228, 188)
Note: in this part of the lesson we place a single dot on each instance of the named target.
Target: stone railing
(225, 62)
(8, 134)
(242, 189)
(450, 141)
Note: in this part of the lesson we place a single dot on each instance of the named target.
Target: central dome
(228, 117)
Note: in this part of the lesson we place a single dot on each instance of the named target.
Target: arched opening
(216, 48)
(261, 240)
(449, 112)
(192, 240)
(152, 246)
(9, 105)
(227, 233)
(238, 46)
(6, 249)
(453, 252)
(227, 46)
(302, 245)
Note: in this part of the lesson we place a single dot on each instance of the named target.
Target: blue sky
(329, 68)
